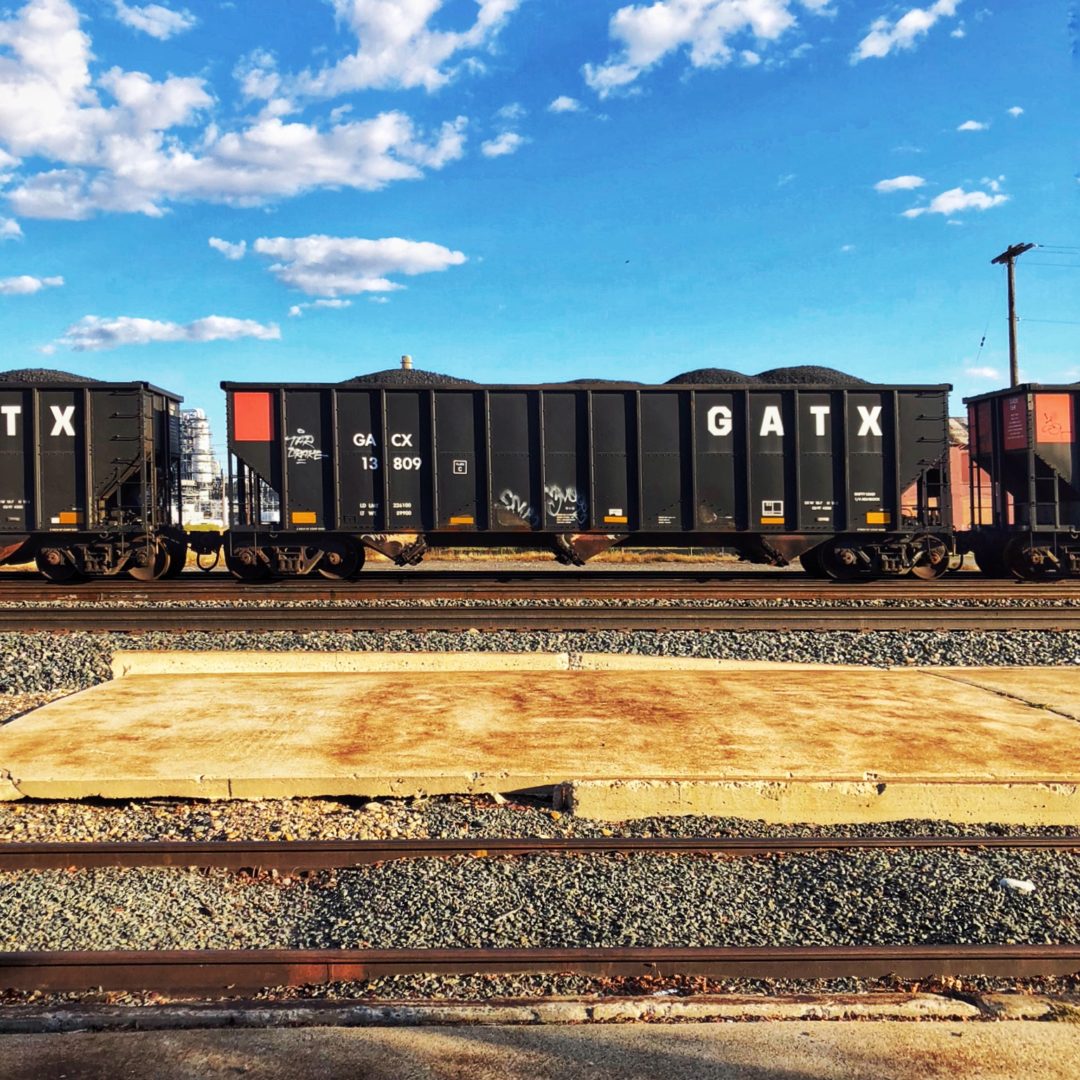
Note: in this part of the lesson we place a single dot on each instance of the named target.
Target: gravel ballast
(451, 817)
(834, 898)
(44, 662)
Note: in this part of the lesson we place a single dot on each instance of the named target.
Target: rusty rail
(302, 855)
(242, 971)
(393, 584)
(235, 971)
(553, 618)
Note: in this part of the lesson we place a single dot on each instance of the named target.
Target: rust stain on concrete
(857, 731)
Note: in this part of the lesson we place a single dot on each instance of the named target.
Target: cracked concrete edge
(964, 677)
(869, 1006)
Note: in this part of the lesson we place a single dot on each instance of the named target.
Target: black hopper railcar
(89, 477)
(1026, 520)
(852, 479)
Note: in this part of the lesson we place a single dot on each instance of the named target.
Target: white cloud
(298, 309)
(972, 125)
(153, 19)
(332, 266)
(564, 104)
(512, 112)
(959, 32)
(92, 333)
(847, 249)
(899, 183)
(1015, 111)
(10, 229)
(24, 285)
(508, 142)
(750, 58)
(397, 47)
(994, 184)
(983, 373)
(645, 35)
(886, 37)
(955, 200)
(230, 251)
(118, 143)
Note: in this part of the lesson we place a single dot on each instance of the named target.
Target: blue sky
(532, 190)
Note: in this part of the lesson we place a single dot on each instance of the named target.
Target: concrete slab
(783, 743)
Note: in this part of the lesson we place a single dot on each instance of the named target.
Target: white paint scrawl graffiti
(565, 505)
(301, 448)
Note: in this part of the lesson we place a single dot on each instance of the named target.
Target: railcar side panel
(657, 460)
(567, 496)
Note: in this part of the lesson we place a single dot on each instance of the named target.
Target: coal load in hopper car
(851, 478)
(89, 476)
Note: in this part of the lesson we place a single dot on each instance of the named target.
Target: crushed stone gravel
(441, 818)
(822, 898)
(45, 662)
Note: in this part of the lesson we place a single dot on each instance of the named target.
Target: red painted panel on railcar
(252, 417)
(1053, 418)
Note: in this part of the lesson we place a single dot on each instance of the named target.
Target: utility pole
(1009, 257)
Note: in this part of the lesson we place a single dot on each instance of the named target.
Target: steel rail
(233, 971)
(492, 584)
(303, 855)
(550, 618)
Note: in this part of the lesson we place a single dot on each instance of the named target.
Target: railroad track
(554, 617)
(583, 583)
(240, 971)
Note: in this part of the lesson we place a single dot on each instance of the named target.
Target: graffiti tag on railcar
(301, 448)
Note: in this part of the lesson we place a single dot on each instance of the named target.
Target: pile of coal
(712, 376)
(406, 377)
(809, 375)
(601, 382)
(42, 375)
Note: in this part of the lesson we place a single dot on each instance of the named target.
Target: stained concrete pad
(616, 737)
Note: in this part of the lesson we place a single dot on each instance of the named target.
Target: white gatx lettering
(62, 420)
(869, 418)
(9, 412)
(819, 412)
(771, 422)
(719, 420)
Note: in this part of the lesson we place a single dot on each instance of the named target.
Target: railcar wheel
(341, 561)
(245, 565)
(1027, 563)
(843, 561)
(178, 553)
(57, 565)
(812, 564)
(151, 560)
(931, 559)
